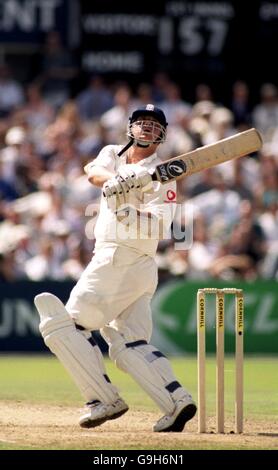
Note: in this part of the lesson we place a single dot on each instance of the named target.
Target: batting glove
(114, 188)
(135, 177)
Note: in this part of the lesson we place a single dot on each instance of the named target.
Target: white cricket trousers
(116, 289)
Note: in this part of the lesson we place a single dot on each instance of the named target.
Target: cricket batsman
(114, 292)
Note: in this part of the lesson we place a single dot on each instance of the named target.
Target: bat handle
(154, 176)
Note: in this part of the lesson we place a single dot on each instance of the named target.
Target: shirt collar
(147, 159)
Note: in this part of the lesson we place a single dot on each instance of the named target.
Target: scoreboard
(203, 40)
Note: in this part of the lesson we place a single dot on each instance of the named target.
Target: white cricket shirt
(141, 236)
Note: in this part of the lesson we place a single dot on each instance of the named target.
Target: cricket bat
(236, 146)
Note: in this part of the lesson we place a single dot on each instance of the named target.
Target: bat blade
(236, 146)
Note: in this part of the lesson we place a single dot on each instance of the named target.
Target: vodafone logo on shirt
(171, 196)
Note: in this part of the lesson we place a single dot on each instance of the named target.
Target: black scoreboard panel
(202, 41)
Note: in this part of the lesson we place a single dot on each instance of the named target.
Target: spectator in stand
(268, 221)
(95, 100)
(66, 122)
(221, 125)
(203, 92)
(7, 188)
(65, 159)
(143, 95)
(203, 184)
(36, 111)
(11, 92)
(44, 265)
(173, 105)
(26, 176)
(239, 183)
(180, 138)
(265, 114)
(200, 124)
(218, 206)
(91, 144)
(7, 267)
(58, 70)
(114, 120)
(245, 248)
(160, 84)
(74, 264)
(267, 200)
(10, 154)
(240, 106)
(202, 253)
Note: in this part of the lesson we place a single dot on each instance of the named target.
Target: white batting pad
(151, 372)
(78, 356)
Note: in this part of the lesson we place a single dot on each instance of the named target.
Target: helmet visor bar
(147, 131)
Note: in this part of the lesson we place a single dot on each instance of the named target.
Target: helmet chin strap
(138, 143)
(124, 149)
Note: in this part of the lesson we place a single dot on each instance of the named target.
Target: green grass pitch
(41, 380)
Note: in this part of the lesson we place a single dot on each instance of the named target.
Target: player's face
(146, 129)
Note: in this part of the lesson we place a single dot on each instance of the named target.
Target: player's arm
(102, 168)
(98, 175)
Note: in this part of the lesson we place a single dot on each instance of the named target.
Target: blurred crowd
(48, 133)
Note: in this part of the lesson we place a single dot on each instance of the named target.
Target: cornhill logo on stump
(220, 312)
(240, 316)
(202, 313)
